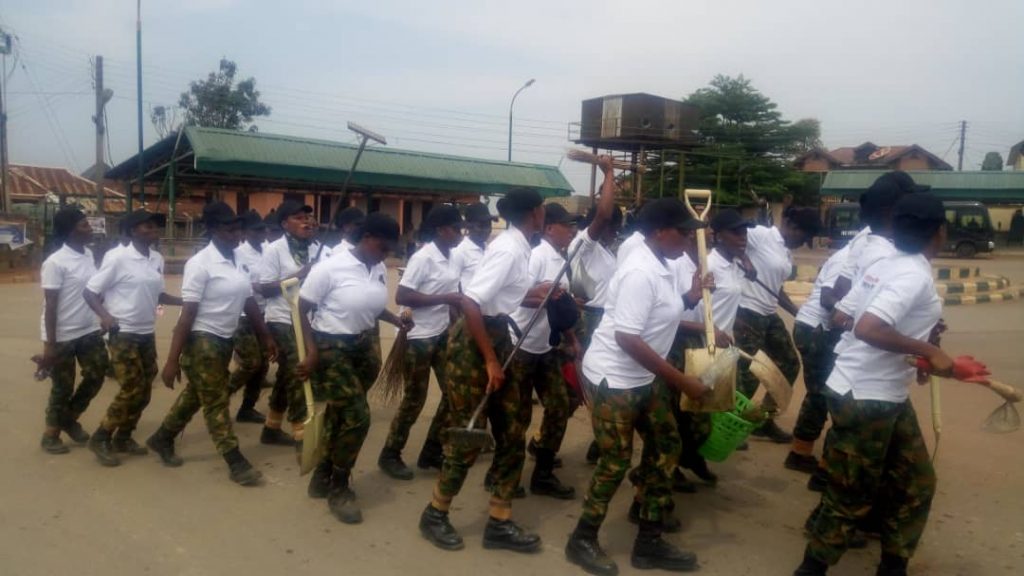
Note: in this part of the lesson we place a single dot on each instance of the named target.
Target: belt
(345, 338)
(593, 309)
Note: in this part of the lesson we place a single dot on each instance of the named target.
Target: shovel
(473, 438)
(1005, 418)
(698, 361)
(313, 428)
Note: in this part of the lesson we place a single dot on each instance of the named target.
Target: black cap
(921, 207)
(289, 208)
(253, 221)
(557, 214)
(65, 220)
(806, 219)
(350, 215)
(443, 215)
(380, 225)
(903, 180)
(478, 212)
(518, 202)
(729, 220)
(138, 217)
(667, 213)
(883, 194)
(219, 214)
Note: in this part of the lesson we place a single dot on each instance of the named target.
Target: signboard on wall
(13, 235)
(98, 224)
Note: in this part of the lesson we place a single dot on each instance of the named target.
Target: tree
(165, 120)
(220, 102)
(992, 161)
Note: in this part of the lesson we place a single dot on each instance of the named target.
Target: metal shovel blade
(717, 372)
(468, 439)
(1003, 420)
(312, 441)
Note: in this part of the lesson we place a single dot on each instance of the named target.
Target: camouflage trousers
(755, 332)
(422, 356)
(647, 410)
(252, 364)
(466, 381)
(133, 357)
(876, 458)
(66, 402)
(816, 347)
(543, 373)
(204, 361)
(287, 391)
(590, 319)
(346, 370)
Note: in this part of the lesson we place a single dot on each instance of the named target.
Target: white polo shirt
(502, 278)
(349, 296)
(249, 259)
(220, 288)
(343, 246)
(278, 264)
(685, 269)
(725, 300)
(545, 263)
(68, 271)
(130, 285)
(812, 313)
(903, 295)
(768, 253)
(871, 249)
(856, 245)
(111, 252)
(643, 300)
(466, 259)
(592, 268)
(628, 246)
(429, 272)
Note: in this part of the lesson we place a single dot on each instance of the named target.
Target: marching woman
(253, 365)
(214, 292)
(478, 344)
(287, 257)
(429, 286)
(349, 293)
(758, 325)
(877, 457)
(466, 256)
(125, 294)
(70, 331)
(628, 352)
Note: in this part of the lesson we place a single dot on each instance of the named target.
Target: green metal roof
(288, 158)
(983, 186)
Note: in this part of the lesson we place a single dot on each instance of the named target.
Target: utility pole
(138, 73)
(963, 136)
(102, 97)
(5, 199)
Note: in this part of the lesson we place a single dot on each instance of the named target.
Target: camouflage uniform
(204, 361)
(466, 380)
(543, 373)
(252, 364)
(133, 357)
(590, 319)
(816, 347)
(66, 402)
(755, 332)
(422, 355)
(616, 415)
(346, 370)
(876, 457)
(287, 391)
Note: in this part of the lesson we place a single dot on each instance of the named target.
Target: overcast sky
(438, 76)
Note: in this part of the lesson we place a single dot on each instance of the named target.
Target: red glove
(965, 369)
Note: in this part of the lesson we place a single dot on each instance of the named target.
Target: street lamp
(525, 86)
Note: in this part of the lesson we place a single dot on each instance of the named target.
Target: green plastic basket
(728, 431)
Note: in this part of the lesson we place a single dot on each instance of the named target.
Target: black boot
(771, 431)
(544, 482)
(101, 447)
(242, 471)
(801, 462)
(892, 566)
(583, 550)
(593, 453)
(669, 523)
(162, 442)
(507, 535)
(125, 444)
(531, 449)
(699, 466)
(818, 481)
(434, 526)
(390, 461)
(250, 415)
(341, 499)
(811, 566)
(682, 484)
(75, 431)
(431, 456)
(53, 445)
(650, 551)
(276, 436)
(320, 480)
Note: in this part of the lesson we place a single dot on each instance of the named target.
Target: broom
(585, 157)
(390, 383)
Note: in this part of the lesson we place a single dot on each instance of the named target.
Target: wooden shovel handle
(1007, 392)
(702, 255)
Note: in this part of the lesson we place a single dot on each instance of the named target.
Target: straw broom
(390, 383)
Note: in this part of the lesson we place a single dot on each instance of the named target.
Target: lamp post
(524, 87)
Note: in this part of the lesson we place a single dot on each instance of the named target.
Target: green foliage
(220, 102)
(992, 161)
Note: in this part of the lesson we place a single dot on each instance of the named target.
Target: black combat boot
(507, 535)
(892, 566)
(818, 481)
(531, 449)
(771, 431)
(682, 484)
(811, 566)
(431, 456)
(162, 442)
(583, 550)
(249, 415)
(125, 444)
(650, 551)
(75, 431)
(544, 482)
(320, 480)
(805, 463)
(669, 523)
(390, 461)
(593, 453)
(699, 466)
(242, 471)
(101, 447)
(276, 437)
(341, 499)
(434, 526)
(53, 445)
